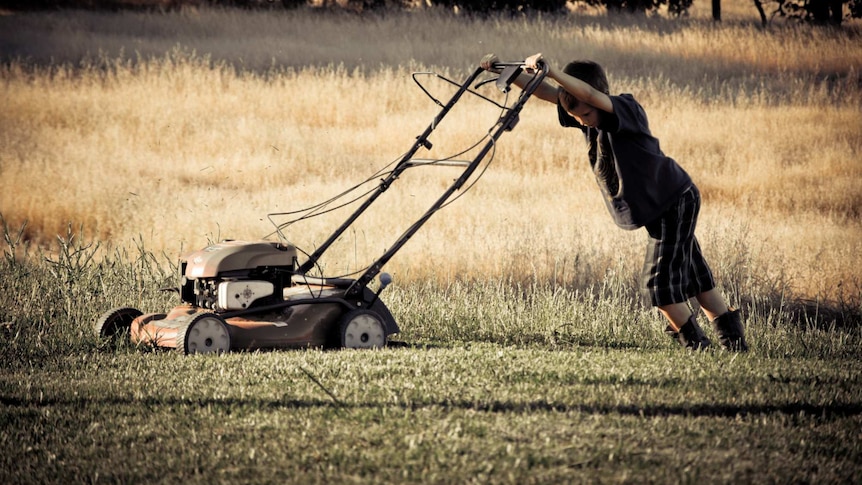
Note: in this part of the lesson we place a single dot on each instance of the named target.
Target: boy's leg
(677, 314)
(712, 304)
(683, 326)
(668, 271)
(726, 322)
(667, 266)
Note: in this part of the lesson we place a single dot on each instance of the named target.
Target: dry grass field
(170, 130)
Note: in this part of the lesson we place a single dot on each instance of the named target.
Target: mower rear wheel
(116, 323)
(362, 329)
(204, 333)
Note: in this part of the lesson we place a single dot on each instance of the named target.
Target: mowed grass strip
(467, 413)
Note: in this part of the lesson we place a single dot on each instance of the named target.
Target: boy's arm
(546, 91)
(574, 86)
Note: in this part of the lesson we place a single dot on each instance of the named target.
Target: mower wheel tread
(115, 322)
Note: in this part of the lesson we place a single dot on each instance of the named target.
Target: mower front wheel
(115, 323)
(362, 329)
(203, 333)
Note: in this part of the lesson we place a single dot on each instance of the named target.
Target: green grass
(495, 383)
(463, 413)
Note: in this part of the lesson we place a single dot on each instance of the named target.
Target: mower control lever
(507, 77)
(385, 280)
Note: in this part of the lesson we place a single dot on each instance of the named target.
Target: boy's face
(586, 114)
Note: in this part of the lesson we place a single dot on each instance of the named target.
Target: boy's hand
(532, 62)
(488, 62)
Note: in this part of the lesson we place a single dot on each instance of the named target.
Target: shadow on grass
(527, 340)
(821, 412)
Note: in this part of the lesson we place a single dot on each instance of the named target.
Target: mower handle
(505, 64)
(506, 122)
(508, 73)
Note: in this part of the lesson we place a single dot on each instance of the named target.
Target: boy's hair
(587, 71)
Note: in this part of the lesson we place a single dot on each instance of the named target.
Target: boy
(642, 188)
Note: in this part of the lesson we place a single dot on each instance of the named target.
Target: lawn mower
(248, 295)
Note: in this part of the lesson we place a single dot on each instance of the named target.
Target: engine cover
(238, 295)
(228, 256)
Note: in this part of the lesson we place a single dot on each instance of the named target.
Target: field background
(129, 138)
(192, 126)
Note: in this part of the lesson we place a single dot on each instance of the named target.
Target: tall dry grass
(189, 127)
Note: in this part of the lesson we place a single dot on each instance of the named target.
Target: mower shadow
(827, 412)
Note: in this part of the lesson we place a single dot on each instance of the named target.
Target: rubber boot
(730, 333)
(690, 335)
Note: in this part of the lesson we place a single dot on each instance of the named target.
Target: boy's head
(589, 72)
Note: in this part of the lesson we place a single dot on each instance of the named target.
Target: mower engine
(236, 275)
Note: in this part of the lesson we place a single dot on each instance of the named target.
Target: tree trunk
(763, 20)
(837, 11)
(716, 10)
(819, 10)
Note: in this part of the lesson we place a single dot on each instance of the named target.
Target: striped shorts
(675, 269)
